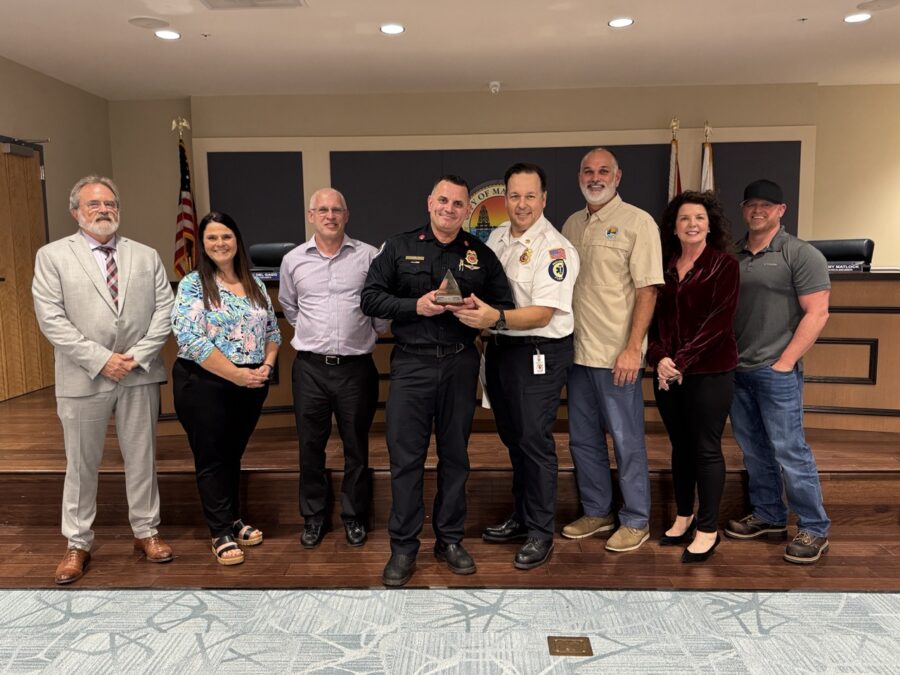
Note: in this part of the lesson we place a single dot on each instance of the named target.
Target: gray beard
(100, 228)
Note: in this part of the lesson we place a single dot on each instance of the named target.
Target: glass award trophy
(448, 293)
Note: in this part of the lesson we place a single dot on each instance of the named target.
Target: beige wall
(34, 106)
(509, 112)
(145, 166)
(858, 167)
(857, 139)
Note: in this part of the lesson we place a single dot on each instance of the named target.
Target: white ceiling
(334, 46)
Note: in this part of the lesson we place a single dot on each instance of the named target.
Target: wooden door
(26, 358)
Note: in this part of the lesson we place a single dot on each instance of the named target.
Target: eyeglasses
(336, 210)
(94, 205)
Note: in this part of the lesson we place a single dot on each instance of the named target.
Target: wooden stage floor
(860, 477)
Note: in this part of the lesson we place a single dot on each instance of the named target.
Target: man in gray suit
(103, 302)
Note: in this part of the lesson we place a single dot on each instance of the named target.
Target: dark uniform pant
(429, 390)
(525, 407)
(349, 390)
(219, 418)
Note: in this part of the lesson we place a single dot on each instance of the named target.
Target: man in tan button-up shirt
(615, 294)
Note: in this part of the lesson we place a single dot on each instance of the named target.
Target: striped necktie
(112, 273)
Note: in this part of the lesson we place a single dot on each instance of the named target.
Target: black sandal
(246, 535)
(226, 544)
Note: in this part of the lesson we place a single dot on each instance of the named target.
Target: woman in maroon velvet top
(693, 350)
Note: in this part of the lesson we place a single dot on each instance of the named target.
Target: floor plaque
(569, 646)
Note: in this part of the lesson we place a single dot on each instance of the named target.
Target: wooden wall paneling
(6, 286)
(11, 358)
(38, 231)
(28, 236)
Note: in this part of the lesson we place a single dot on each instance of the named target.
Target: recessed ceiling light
(167, 35)
(149, 22)
(621, 22)
(392, 28)
(857, 18)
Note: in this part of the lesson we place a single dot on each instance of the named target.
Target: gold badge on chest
(525, 258)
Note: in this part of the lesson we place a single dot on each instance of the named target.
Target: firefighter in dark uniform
(434, 371)
(528, 357)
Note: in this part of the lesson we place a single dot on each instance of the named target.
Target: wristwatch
(501, 322)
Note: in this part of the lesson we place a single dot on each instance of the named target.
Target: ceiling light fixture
(167, 35)
(857, 18)
(621, 22)
(392, 28)
(148, 22)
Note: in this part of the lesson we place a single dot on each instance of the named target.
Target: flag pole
(186, 222)
(674, 168)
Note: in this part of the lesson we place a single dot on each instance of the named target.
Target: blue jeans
(767, 419)
(597, 406)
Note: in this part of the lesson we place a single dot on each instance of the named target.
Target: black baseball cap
(766, 190)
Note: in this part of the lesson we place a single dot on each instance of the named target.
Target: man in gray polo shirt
(782, 309)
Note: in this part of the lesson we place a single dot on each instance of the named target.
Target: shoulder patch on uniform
(557, 254)
(557, 270)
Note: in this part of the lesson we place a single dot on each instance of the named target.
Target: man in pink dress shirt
(334, 373)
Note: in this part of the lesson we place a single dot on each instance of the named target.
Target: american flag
(674, 172)
(186, 222)
(707, 176)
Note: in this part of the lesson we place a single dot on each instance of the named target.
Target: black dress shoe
(510, 530)
(398, 569)
(313, 531)
(688, 557)
(685, 538)
(533, 554)
(456, 557)
(356, 532)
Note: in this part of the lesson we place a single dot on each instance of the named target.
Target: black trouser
(348, 388)
(219, 418)
(694, 413)
(429, 391)
(525, 406)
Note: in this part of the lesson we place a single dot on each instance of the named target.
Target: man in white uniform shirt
(528, 357)
(334, 372)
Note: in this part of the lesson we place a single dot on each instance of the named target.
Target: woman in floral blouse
(228, 340)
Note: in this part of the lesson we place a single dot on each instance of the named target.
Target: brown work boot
(806, 548)
(588, 525)
(71, 567)
(154, 548)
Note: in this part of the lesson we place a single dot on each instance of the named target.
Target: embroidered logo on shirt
(557, 254)
(471, 260)
(611, 232)
(525, 258)
(557, 270)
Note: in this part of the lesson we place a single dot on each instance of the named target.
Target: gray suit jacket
(76, 313)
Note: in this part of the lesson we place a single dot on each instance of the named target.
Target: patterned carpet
(446, 631)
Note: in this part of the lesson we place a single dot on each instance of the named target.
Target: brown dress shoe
(154, 548)
(71, 567)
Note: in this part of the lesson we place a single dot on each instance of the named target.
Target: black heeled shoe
(685, 538)
(688, 557)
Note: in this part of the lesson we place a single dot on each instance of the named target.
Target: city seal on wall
(488, 204)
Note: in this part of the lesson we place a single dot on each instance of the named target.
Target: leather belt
(438, 351)
(330, 359)
(499, 339)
